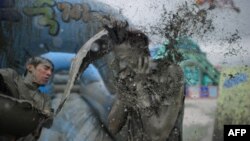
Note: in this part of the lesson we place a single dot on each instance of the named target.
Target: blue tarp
(62, 61)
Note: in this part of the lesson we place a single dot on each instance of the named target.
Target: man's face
(41, 73)
(127, 56)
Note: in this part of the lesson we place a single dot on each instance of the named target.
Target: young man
(38, 72)
(149, 95)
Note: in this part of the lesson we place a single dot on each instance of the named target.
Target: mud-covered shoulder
(8, 73)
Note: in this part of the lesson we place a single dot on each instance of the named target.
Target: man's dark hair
(138, 39)
(121, 32)
(36, 61)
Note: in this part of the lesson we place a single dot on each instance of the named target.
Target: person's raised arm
(117, 117)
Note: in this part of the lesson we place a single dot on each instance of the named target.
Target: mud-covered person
(38, 72)
(150, 96)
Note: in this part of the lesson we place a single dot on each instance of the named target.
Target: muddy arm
(116, 35)
(117, 117)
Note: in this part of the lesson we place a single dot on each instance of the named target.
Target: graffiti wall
(34, 27)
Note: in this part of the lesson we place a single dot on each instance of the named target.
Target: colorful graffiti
(7, 11)
(39, 3)
(74, 11)
(47, 16)
(44, 8)
(79, 11)
(49, 25)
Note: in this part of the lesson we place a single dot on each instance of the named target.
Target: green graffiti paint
(52, 24)
(40, 3)
(45, 9)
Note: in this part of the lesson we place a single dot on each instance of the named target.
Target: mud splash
(76, 64)
(193, 21)
(186, 21)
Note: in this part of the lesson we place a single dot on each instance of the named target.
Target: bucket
(18, 117)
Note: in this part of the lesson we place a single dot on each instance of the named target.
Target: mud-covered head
(39, 70)
(122, 34)
(134, 46)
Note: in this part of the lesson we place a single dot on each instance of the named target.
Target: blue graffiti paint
(235, 80)
(7, 11)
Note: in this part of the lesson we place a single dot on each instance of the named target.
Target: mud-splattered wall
(34, 27)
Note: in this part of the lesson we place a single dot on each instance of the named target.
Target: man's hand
(118, 31)
(144, 65)
(117, 117)
(48, 121)
(47, 113)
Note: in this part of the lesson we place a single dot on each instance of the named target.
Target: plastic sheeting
(62, 61)
(76, 122)
(84, 116)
